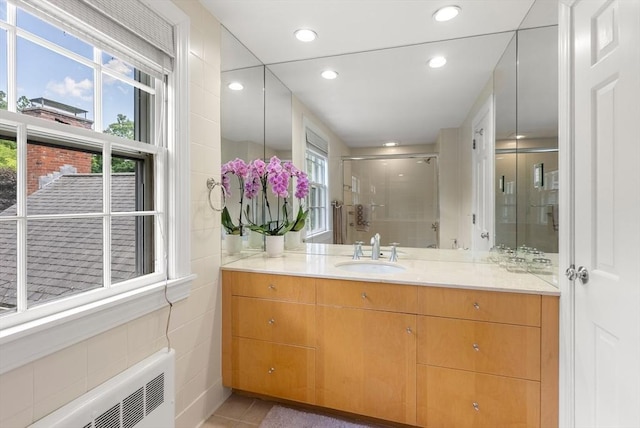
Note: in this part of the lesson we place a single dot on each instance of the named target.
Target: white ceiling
(384, 91)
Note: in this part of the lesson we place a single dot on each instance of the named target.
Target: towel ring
(212, 184)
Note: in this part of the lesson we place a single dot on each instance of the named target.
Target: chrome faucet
(375, 247)
(393, 256)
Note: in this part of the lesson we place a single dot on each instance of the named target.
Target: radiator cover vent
(142, 396)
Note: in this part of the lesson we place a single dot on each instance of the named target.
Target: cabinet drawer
(510, 308)
(500, 349)
(456, 398)
(367, 295)
(276, 287)
(273, 369)
(274, 321)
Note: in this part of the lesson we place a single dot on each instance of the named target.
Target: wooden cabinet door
(366, 362)
(463, 399)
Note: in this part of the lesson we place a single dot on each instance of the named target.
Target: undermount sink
(370, 266)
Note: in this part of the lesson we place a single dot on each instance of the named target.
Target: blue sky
(44, 73)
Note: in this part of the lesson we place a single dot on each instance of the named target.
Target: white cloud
(69, 87)
(119, 66)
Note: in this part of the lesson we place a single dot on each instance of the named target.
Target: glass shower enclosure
(395, 196)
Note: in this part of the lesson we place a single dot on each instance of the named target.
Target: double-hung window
(87, 146)
(317, 171)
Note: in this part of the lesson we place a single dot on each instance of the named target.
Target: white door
(483, 229)
(606, 77)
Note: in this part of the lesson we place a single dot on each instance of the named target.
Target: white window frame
(325, 186)
(75, 319)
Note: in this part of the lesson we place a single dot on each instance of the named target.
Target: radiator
(143, 396)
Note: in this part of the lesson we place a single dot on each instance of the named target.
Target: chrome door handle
(583, 275)
(484, 235)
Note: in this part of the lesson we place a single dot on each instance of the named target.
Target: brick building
(47, 162)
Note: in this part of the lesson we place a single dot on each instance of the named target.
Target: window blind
(129, 27)
(317, 142)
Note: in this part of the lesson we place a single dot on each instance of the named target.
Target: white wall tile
(57, 372)
(16, 391)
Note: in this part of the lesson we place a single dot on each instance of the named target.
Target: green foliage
(117, 165)
(227, 223)
(122, 128)
(8, 155)
(23, 103)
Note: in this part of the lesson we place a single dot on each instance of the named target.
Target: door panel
(606, 78)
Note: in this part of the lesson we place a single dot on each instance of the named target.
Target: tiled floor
(239, 411)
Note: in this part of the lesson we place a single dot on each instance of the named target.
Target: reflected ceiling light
(391, 144)
(520, 137)
(437, 61)
(329, 74)
(235, 86)
(305, 35)
(401, 175)
(446, 13)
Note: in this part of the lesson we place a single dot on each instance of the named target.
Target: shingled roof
(64, 256)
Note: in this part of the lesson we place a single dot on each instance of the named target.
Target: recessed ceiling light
(446, 13)
(391, 144)
(329, 74)
(305, 35)
(437, 61)
(235, 86)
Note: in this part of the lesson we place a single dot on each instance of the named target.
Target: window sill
(30, 341)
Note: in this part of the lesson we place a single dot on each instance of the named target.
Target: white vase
(274, 245)
(233, 244)
(293, 240)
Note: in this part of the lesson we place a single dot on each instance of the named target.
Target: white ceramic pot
(233, 244)
(274, 245)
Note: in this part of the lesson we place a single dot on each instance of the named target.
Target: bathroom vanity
(441, 343)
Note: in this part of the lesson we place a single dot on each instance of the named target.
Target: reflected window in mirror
(317, 163)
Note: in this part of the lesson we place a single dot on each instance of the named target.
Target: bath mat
(283, 417)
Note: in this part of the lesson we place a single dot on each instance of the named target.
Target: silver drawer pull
(271, 370)
(409, 330)
(271, 321)
(476, 407)
(476, 305)
(272, 287)
(364, 295)
(476, 347)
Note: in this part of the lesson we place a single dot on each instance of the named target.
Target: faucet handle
(357, 250)
(393, 257)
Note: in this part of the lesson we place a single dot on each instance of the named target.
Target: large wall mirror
(517, 69)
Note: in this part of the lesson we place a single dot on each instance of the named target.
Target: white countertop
(427, 267)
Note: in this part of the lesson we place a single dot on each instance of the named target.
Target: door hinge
(474, 144)
(473, 218)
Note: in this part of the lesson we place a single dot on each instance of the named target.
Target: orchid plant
(277, 176)
(238, 168)
(258, 176)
